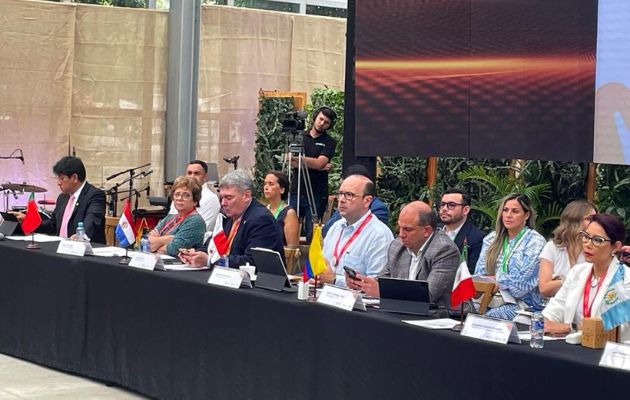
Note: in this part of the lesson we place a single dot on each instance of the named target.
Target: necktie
(63, 231)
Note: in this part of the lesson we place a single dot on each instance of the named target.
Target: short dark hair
(612, 225)
(465, 195)
(202, 163)
(368, 190)
(428, 218)
(356, 169)
(68, 166)
(283, 182)
(328, 112)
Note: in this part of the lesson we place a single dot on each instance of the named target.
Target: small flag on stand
(316, 264)
(125, 228)
(218, 246)
(616, 303)
(32, 220)
(463, 286)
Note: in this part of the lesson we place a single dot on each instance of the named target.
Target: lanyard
(586, 308)
(233, 231)
(508, 250)
(173, 223)
(277, 212)
(336, 253)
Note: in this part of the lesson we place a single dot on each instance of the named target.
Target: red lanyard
(233, 231)
(336, 253)
(173, 223)
(586, 308)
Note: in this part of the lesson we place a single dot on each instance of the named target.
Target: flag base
(458, 328)
(33, 246)
(124, 261)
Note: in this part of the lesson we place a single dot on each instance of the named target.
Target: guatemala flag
(616, 304)
(125, 229)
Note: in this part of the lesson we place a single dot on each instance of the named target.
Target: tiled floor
(23, 380)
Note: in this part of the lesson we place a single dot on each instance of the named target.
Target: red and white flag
(463, 287)
(218, 246)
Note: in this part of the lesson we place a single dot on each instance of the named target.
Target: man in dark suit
(421, 252)
(248, 223)
(79, 201)
(454, 209)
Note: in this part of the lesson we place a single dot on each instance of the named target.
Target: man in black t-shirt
(319, 149)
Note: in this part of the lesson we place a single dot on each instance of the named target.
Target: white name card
(345, 299)
(490, 329)
(616, 355)
(146, 261)
(226, 277)
(74, 248)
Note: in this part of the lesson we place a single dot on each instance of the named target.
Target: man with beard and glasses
(453, 209)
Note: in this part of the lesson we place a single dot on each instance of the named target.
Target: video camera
(294, 121)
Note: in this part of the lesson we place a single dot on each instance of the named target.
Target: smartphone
(351, 273)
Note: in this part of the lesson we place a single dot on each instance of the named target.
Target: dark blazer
(438, 264)
(258, 228)
(474, 237)
(89, 209)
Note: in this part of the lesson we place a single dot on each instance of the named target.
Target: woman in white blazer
(586, 284)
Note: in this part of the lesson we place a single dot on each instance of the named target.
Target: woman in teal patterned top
(184, 229)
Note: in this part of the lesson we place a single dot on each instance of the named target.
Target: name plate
(146, 261)
(226, 277)
(616, 355)
(74, 248)
(345, 299)
(490, 329)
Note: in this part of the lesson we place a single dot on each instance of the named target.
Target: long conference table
(170, 335)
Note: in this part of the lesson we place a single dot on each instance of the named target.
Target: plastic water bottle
(145, 245)
(224, 261)
(537, 331)
(81, 233)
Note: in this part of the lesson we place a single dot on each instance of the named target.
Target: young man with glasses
(358, 240)
(453, 209)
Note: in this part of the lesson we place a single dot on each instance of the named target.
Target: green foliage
(613, 191)
(270, 140)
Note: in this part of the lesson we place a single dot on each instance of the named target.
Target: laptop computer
(404, 296)
(10, 225)
(270, 271)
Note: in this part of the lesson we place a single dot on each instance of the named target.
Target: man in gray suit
(421, 252)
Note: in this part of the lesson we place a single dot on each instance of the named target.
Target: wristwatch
(574, 327)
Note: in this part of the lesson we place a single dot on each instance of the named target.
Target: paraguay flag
(125, 228)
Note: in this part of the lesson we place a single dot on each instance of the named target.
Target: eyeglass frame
(349, 196)
(182, 196)
(585, 238)
(450, 205)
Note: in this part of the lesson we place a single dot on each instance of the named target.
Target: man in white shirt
(358, 240)
(209, 204)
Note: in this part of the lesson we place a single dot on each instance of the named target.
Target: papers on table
(39, 238)
(441, 323)
(525, 335)
(109, 251)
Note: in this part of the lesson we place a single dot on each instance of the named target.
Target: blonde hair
(495, 248)
(567, 233)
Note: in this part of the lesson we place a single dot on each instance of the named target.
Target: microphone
(74, 153)
(21, 159)
(147, 173)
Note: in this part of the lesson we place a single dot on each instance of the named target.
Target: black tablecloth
(172, 336)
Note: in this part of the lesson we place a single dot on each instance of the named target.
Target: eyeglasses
(182, 195)
(449, 204)
(596, 240)
(348, 195)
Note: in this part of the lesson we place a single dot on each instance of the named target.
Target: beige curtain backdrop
(93, 78)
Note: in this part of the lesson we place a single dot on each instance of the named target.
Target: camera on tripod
(293, 124)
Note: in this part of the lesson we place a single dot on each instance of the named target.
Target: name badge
(345, 299)
(74, 248)
(490, 329)
(616, 355)
(146, 261)
(226, 277)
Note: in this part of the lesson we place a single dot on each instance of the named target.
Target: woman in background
(565, 248)
(276, 192)
(510, 255)
(186, 228)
